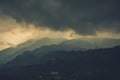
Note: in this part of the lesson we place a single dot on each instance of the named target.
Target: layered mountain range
(32, 51)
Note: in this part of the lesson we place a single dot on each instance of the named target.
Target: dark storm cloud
(84, 16)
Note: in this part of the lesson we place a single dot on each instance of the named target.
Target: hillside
(100, 64)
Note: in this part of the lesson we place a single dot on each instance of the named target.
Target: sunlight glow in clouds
(13, 33)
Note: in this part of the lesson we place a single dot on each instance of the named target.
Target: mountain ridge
(100, 64)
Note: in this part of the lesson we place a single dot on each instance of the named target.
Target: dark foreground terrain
(100, 64)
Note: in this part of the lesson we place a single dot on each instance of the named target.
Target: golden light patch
(13, 33)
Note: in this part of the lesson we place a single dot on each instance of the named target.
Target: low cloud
(21, 20)
(13, 33)
(85, 17)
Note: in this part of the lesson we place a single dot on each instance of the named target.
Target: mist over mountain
(79, 59)
(59, 44)
(59, 39)
(90, 43)
(10, 53)
(45, 42)
(29, 56)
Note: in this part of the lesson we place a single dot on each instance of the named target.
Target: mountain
(107, 43)
(33, 57)
(77, 44)
(45, 46)
(10, 53)
(100, 64)
(90, 43)
(37, 56)
(45, 42)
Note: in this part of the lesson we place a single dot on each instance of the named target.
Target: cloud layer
(13, 33)
(21, 20)
(85, 17)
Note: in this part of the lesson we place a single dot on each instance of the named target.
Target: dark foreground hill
(100, 64)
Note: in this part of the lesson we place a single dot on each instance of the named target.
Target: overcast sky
(20, 19)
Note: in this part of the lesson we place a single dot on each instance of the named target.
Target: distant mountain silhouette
(100, 64)
(10, 53)
(45, 46)
(61, 44)
(86, 43)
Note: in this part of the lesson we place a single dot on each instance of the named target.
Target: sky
(21, 20)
